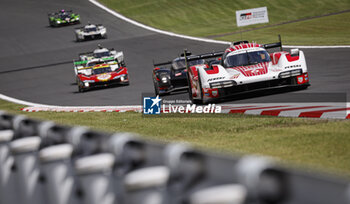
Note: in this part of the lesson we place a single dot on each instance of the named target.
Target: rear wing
(81, 63)
(86, 54)
(201, 56)
(274, 45)
(91, 53)
(189, 57)
(80, 67)
(79, 28)
(162, 63)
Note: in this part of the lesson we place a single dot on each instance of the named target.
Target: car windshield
(64, 15)
(102, 54)
(93, 29)
(248, 58)
(102, 70)
(180, 63)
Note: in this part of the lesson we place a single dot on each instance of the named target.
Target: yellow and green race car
(63, 18)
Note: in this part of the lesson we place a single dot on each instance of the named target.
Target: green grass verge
(205, 18)
(318, 143)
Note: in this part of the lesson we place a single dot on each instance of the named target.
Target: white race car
(245, 67)
(90, 31)
(102, 52)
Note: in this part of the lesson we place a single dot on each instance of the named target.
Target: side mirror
(294, 52)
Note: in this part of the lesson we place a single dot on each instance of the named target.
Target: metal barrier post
(7, 182)
(95, 178)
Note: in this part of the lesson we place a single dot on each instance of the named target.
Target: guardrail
(45, 163)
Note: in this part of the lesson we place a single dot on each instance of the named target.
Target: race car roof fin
(204, 56)
(273, 45)
(240, 42)
(187, 53)
(162, 63)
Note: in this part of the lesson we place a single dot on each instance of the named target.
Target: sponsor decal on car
(300, 80)
(276, 70)
(215, 78)
(292, 66)
(235, 76)
(104, 77)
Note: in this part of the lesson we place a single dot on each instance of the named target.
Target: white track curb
(309, 110)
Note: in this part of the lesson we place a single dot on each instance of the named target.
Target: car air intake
(222, 84)
(291, 73)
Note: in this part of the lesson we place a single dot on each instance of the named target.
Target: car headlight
(86, 84)
(120, 76)
(77, 18)
(58, 22)
(88, 81)
(164, 79)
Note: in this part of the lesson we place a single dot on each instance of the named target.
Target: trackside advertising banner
(252, 16)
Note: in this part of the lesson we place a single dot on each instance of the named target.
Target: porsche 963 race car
(100, 70)
(171, 76)
(245, 67)
(63, 18)
(90, 31)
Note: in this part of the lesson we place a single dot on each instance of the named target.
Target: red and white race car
(245, 67)
(99, 73)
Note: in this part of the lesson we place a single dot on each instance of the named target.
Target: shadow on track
(36, 67)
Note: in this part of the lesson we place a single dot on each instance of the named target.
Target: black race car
(171, 76)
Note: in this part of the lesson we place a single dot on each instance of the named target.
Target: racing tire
(303, 87)
(194, 101)
(80, 40)
(80, 89)
(156, 88)
(201, 100)
(51, 23)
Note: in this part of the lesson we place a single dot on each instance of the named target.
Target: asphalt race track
(36, 60)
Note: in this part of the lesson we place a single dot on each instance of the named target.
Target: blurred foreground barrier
(46, 163)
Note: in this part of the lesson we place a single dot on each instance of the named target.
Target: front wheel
(156, 88)
(201, 99)
(81, 89)
(190, 94)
